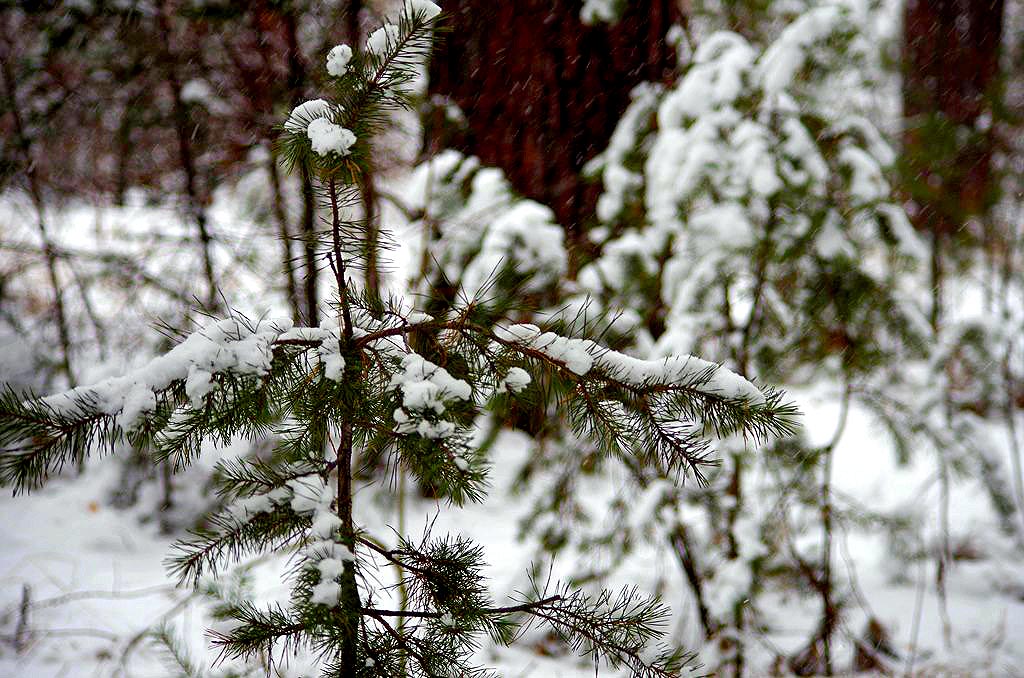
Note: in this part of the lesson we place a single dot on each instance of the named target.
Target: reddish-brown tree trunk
(950, 84)
(951, 68)
(542, 92)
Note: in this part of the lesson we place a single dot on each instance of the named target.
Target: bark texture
(951, 82)
(541, 91)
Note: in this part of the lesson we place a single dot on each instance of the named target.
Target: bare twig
(510, 609)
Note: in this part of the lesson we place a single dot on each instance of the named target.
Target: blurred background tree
(542, 95)
(952, 112)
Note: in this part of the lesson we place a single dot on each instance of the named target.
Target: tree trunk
(951, 67)
(542, 92)
(184, 131)
(35, 191)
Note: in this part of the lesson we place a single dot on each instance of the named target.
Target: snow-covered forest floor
(97, 583)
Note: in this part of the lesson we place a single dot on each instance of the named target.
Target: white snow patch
(783, 59)
(381, 39)
(515, 381)
(338, 59)
(600, 11)
(305, 113)
(426, 388)
(428, 9)
(325, 525)
(327, 592)
(328, 137)
(310, 494)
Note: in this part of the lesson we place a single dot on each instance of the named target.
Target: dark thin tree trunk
(181, 127)
(124, 154)
(351, 605)
(36, 193)
(309, 240)
(829, 614)
(937, 272)
(296, 79)
(284, 233)
(735, 493)
(22, 630)
(350, 601)
(687, 560)
(369, 194)
(367, 181)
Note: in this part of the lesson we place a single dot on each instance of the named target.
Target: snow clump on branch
(314, 118)
(428, 9)
(601, 11)
(225, 346)
(338, 59)
(580, 356)
(312, 495)
(305, 113)
(327, 137)
(425, 388)
(379, 40)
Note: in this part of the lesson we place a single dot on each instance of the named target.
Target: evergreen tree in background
(746, 215)
(385, 381)
(749, 218)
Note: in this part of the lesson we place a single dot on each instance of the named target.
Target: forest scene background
(822, 196)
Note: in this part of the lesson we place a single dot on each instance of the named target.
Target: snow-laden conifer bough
(386, 379)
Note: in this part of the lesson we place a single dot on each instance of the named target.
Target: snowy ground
(96, 582)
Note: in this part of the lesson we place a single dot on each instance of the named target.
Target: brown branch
(391, 555)
(399, 638)
(511, 609)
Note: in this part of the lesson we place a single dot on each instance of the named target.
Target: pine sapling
(383, 380)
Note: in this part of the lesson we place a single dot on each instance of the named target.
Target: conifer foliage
(383, 380)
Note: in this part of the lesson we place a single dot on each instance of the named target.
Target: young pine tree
(363, 384)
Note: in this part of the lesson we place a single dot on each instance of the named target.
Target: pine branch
(176, 657)
(244, 477)
(38, 438)
(228, 538)
(615, 630)
(257, 631)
